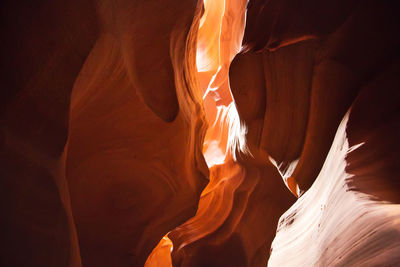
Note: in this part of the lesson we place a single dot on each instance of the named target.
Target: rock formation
(320, 61)
(245, 190)
(102, 129)
(230, 133)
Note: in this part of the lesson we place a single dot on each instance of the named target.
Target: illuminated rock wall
(195, 125)
(239, 209)
(314, 62)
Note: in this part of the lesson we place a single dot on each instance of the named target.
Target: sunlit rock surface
(245, 190)
(161, 254)
(333, 225)
(194, 125)
(312, 74)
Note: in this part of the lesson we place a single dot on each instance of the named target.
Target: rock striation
(200, 133)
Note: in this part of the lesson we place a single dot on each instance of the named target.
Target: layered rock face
(102, 129)
(315, 62)
(239, 209)
(134, 164)
(231, 133)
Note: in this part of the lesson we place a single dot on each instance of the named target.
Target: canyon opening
(195, 133)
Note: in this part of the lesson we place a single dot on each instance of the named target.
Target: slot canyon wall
(102, 128)
(329, 71)
(230, 133)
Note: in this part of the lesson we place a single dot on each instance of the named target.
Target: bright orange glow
(161, 255)
(219, 40)
(225, 134)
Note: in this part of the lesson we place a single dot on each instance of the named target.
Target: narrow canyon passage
(200, 133)
(233, 181)
(237, 194)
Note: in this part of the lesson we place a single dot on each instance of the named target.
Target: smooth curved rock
(243, 192)
(341, 60)
(354, 69)
(134, 177)
(136, 126)
(43, 48)
(116, 114)
(332, 225)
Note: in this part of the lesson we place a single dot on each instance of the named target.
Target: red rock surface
(244, 193)
(102, 130)
(195, 125)
(318, 66)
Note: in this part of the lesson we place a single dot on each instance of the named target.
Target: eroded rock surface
(102, 129)
(316, 67)
(108, 107)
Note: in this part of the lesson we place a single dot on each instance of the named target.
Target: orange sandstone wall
(315, 62)
(124, 123)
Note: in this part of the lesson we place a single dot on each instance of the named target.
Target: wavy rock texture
(161, 254)
(102, 129)
(332, 225)
(237, 202)
(243, 192)
(133, 177)
(312, 68)
(116, 114)
(338, 50)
